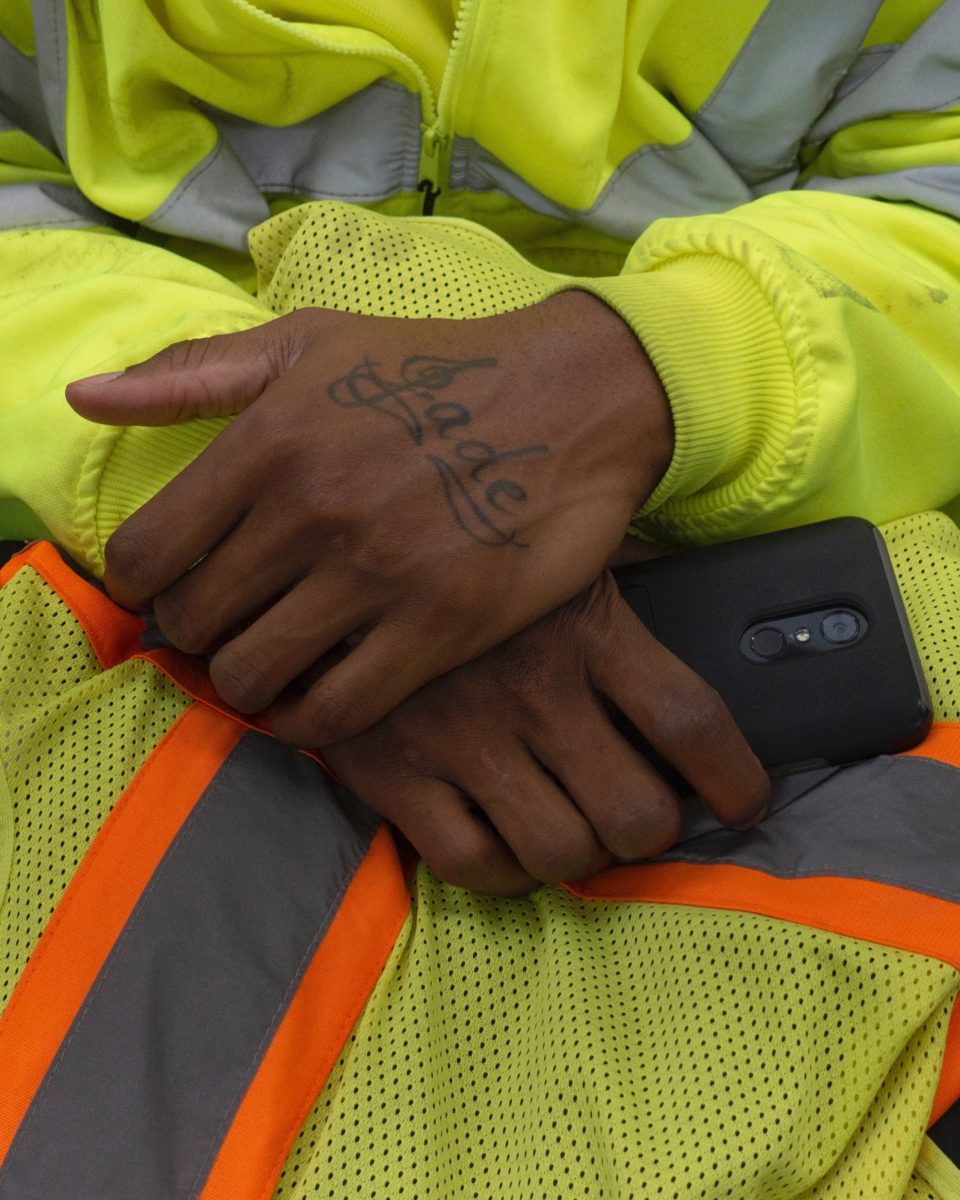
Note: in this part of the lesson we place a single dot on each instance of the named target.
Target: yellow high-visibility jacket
(767, 192)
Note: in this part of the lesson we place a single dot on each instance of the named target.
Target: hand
(417, 490)
(509, 771)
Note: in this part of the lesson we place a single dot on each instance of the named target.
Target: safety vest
(201, 971)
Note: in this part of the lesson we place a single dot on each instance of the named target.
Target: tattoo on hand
(476, 502)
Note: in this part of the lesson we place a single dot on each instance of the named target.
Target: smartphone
(804, 635)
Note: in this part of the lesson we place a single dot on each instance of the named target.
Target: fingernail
(97, 380)
(754, 823)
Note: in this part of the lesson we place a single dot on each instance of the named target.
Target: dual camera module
(802, 633)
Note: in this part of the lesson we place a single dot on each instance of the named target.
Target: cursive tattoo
(420, 377)
(477, 503)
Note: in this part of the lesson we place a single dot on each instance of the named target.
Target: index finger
(169, 534)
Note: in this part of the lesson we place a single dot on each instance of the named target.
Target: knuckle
(643, 830)
(332, 714)
(695, 715)
(477, 867)
(566, 858)
(129, 559)
(461, 863)
(239, 675)
(186, 354)
(182, 623)
(409, 755)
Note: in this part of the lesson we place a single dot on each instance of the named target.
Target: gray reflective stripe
(781, 81)
(655, 181)
(217, 202)
(932, 187)
(155, 1065)
(870, 60)
(31, 205)
(50, 35)
(892, 820)
(922, 76)
(367, 147)
(21, 98)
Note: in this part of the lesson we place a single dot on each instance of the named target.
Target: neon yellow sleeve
(73, 303)
(809, 341)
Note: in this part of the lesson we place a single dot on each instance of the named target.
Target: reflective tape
(159, 1058)
(889, 820)
(216, 202)
(21, 97)
(870, 60)
(367, 147)
(35, 205)
(50, 36)
(781, 80)
(923, 75)
(655, 181)
(937, 188)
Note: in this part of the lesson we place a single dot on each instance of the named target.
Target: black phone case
(805, 710)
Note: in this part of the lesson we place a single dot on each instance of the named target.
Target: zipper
(434, 163)
(437, 111)
(435, 131)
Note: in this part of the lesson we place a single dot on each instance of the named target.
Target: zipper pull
(430, 195)
(431, 148)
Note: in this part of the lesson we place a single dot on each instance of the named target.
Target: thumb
(207, 377)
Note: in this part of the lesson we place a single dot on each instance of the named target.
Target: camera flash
(802, 635)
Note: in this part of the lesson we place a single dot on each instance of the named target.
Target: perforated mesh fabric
(342, 257)
(553, 1047)
(925, 551)
(71, 736)
(918, 1190)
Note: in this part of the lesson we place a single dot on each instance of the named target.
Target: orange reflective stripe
(941, 743)
(858, 908)
(113, 633)
(98, 902)
(328, 1002)
(12, 565)
(852, 906)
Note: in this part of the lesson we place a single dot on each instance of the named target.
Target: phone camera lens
(767, 643)
(840, 627)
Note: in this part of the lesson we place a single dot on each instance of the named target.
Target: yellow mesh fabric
(553, 1047)
(918, 1190)
(71, 736)
(925, 551)
(341, 257)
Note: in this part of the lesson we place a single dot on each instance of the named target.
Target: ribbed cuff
(142, 461)
(720, 349)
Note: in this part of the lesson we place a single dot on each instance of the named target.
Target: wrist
(610, 364)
